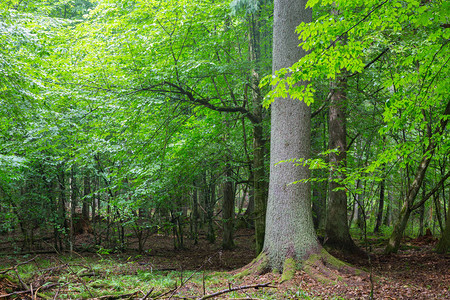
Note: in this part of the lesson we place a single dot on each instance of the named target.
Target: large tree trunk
(289, 226)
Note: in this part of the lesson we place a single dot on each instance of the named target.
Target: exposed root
(328, 269)
(258, 266)
(289, 268)
(320, 266)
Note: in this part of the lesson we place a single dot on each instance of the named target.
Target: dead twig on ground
(238, 288)
(165, 294)
(15, 267)
(148, 294)
(117, 296)
(43, 287)
(79, 278)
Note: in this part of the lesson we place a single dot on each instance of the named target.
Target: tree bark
(195, 214)
(319, 205)
(444, 243)
(380, 207)
(87, 192)
(289, 226)
(228, 211)
(259, 176)
(337, 229)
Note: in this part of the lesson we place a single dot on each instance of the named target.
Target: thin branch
(239, 288)
(19, 264)
(357, 23)
(43, 287)
(431, 193)
(372, 61)
(315, 113)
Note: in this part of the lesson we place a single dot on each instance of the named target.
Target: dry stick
(37, 290)
(79, 278)
(27, 291)
(198, 269)
(204, 286)
(116, 296)
(52, 269)
(56, 294)
(239, 288)
(148, 294)
(166, 293)
(15, 267)
(24, 285)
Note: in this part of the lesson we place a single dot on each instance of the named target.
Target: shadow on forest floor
(416, 272)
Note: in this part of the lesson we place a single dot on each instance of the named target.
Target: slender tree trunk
(380, 207)
(62, 209)
(437, 206)
(422, 212)
(260, 195)
(444, 243)
(195, 215)
(228, 211)
(73, 205)
(87, 192)
(319, 205)
(259, 177)
(336, 229)
(210, 199)
(408, 202)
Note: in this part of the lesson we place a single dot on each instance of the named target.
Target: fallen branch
(117, 296)
(43, 287)
(148, 294)
(15, 267)
(239, 288)
(165, 294)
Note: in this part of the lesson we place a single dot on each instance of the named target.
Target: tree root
(323, 267)
(320, 266)
(258, 266)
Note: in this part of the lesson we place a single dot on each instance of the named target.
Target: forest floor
(416, 272)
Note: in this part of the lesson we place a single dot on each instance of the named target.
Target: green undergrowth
(87, 278)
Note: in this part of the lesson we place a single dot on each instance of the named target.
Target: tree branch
(431, 193)
(372, 61)
(203, 102)
(357, 23)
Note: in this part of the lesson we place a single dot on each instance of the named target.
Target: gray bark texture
(289, 226)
